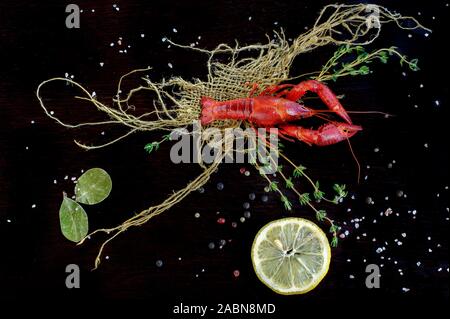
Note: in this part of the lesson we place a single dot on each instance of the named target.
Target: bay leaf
(93, 186)
(73, 220)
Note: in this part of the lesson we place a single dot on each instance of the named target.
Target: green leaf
(150, 147)
(298, 171)
(334, 241)
(364, 70)
(287, 204)
(318, 194)
(273, 186)
(383, 57)
(360, 49)
(392, 49)
(289, 183)
(73, 220)
(413, 65)
(320, 215)
(304, 199)
(340, 190)
(363, 55)
(333, 228)
(93, 186)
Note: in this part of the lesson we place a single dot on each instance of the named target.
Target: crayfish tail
(207, 115)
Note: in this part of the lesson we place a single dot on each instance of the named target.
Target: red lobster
(270, 109)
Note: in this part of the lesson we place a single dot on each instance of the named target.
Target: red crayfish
(277, 105)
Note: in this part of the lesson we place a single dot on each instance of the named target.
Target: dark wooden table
(34, 151)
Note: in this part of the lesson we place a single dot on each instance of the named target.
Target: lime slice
(291, 255)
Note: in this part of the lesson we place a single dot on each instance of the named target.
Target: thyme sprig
(304, 198)
(154, 146)
(336, 68)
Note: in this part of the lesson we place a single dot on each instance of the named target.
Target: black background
(36, 45)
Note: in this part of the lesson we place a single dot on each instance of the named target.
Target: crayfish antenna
(356, 159)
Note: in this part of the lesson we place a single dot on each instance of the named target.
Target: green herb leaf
(413, 65)
(383, 57)
(289, 183)
(364, 70)
(298, 171)
(340, 190)
(360, 49)
(93, 186)
(287, 204)
(363, 55)
(334, 241)
(320, 215)
(304, 199)
(318, 194)
(73, 220)
(334, 228)
(273, 185)
(336, 199)
(150, 147)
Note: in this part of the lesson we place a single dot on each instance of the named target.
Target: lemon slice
(291, 255)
